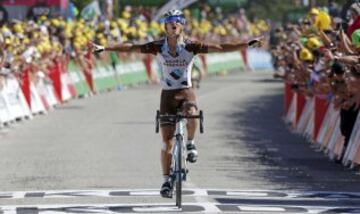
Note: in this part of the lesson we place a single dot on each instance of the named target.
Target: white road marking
(18, 195)
(200, 195)
(249, 194)
(261, 208)
(145, 193)
(168, 208)
(156, 209)
(201, 199)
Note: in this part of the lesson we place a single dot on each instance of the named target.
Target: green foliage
(142, 2)
(80, 4)
(227, 3)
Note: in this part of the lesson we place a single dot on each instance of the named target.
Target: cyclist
(175, 54)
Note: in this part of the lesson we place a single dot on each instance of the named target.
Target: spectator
(321, 61)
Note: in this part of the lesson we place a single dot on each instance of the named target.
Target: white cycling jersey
(175, 70)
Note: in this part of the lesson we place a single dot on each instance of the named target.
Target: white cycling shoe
(192, 153)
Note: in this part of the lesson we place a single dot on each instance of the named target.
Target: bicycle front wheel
(178, 176)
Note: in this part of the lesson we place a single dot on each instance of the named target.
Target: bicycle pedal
(186, 171)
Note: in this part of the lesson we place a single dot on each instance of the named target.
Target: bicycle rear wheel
(179, 179)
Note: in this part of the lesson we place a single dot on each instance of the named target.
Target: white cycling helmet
(173, 13)
(174, 16)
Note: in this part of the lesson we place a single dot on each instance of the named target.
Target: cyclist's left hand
(96, 48)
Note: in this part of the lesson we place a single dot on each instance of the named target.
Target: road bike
(179, 170)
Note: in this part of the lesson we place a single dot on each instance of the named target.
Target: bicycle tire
(179, 174)
(201, 122)
(157, 121)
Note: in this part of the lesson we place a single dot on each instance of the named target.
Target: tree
(80, 4)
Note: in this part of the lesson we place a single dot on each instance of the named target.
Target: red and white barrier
(336, 143)
(65, 93)
(305, 118)
(13, 105)
(68, 83)
(321, 106)
(310, 127)
(16, 99)
(288, 96)
(290, 117)
(22, 99)
(46, 91)
(320, 122)
(37, 105)
(25, 85)
(55, 76)
(328, 127)
(50, 95)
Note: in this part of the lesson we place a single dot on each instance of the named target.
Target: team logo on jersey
(176, 74)
(168, 82)
(185, 83)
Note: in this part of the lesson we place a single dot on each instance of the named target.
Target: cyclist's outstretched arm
(147, 48)
(125, 47)
(228, 47)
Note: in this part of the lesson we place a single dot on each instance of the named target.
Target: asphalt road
(101, 155)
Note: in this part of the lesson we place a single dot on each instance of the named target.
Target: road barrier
(316, 119)
(37, 92)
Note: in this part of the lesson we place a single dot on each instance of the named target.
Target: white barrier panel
(335, 144)
(70, 85)
(339, 145)
(305, 116)
(5, 115)
(64, 87)
(352, 153)
(330, 129)
(23, 102)
(16, 99)
(325, 124)
(40, 85)
(37, 105)
(291, 114)
(309, 127)
(11, 92)
(50, 95)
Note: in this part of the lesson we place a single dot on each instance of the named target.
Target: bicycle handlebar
(177, 117)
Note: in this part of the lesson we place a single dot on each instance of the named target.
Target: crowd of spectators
(40, 43)
(319, 57)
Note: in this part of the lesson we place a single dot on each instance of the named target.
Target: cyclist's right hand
(255, 43)
(96, 48)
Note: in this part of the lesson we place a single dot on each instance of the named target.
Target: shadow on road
(136, 123)
(279, 156)
(70, 107)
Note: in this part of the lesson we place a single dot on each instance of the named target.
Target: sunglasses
(176, 19)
